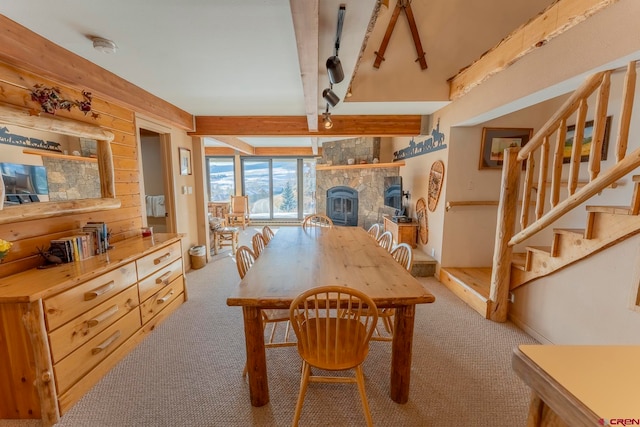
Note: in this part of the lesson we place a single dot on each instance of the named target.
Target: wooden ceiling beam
(264, 151)
(236, 144)
(356, 125)
(305, 25)
(555, 20)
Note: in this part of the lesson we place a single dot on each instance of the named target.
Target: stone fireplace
(352, 194)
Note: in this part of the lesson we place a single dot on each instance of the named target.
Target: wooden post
(542, 177)
(625, 111)
(558, 158)
(576, 149)
(401, 353)
(599, 124)
(505, 226)
(256, 357)
(33, 319)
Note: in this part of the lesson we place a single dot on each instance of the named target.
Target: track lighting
(326, 120)
(330, 96)
(334, 69)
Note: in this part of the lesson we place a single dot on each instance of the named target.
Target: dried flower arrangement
(5, 247)
(51, 100)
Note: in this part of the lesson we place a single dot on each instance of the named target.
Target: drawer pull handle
(102, 316)
(99, 291)
(165, 298)
(106, 343)
(164, 278)
(162, 258)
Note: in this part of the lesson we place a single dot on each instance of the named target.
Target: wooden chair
(386, 240)
(258, 244)
(333, 327)
(238, 211)
(223, 235)
(317, 220)
(403, 254)
(267, 233)
(374, 231)
(245, 258)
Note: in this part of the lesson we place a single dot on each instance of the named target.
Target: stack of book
(92, 241)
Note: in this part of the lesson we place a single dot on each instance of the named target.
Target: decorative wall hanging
(185, 161)
(51, 100)
(436, 176)
(6, 137)
(495, 140)
(421, 215)
(586, 141)
(433, 143)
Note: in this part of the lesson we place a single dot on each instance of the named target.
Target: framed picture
(185, 161)
(495, 140)
(586, 141)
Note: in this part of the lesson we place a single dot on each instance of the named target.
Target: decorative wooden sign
(12, 139)
(423, 226)
(436, 176)
(434, 142)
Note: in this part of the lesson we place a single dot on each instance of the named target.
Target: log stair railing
(605, 225)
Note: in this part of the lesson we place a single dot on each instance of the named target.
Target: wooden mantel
(359, 166)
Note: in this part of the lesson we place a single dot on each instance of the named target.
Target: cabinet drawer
(77, 364)
(73, 334)
(158, 259)
(69, 304)
(160, 300)
(159, 279)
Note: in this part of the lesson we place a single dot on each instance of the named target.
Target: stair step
(578, 231)
(470, 284)
(618, 210)
(540, 249)
(635, 178)
(423, 265)
(518, 260)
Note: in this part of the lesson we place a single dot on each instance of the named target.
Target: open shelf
(44, 153)
(360, 166)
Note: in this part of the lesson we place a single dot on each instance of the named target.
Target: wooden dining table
(297, 259)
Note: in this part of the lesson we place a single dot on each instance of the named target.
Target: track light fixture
(334, 69)
(331, 97)
(326, 120)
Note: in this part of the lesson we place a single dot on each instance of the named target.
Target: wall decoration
(436, 176)
(495, 140)
(6, 137)
(433, 143)
(586, 141)
(185, 161)
(51, 100)
(421, 215)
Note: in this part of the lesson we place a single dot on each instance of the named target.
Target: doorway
(156, 200)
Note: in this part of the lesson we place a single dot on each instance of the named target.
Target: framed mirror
(26, 198)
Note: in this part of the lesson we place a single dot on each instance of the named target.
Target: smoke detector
(104, 45)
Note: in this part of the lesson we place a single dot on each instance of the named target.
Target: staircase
(488, 290)
(605, 226)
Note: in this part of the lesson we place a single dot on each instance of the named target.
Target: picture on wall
(586, 141)
(494, 142)
(185, 161)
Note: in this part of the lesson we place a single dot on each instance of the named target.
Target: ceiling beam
(314, 145)
(264, 151)
(357, 125)
(25, 49)
(305, 25)
(236, 144)
(555, 20)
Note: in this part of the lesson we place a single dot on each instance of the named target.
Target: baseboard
(532, 332)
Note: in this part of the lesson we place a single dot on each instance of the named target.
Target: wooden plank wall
(27, 236)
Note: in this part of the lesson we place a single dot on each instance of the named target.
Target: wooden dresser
(63, 328)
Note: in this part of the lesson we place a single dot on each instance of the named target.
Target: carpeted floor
(189, 371)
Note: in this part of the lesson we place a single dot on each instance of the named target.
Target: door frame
(167, 164)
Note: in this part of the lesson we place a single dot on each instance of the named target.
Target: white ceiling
(239, 57)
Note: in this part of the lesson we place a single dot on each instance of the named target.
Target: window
(221, 178)
(276, 186)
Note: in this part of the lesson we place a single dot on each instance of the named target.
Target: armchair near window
(238, 211)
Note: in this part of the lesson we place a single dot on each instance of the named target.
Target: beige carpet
(188, 372)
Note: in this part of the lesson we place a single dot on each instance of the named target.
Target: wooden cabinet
(403, 232)
(63, 328)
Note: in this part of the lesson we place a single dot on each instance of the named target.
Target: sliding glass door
(276, 186)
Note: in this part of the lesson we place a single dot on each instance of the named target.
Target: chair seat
(225, 236)
(329, 356)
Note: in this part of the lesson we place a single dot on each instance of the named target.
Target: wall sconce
(331, 97)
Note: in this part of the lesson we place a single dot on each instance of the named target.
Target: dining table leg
(401, 353)
(256, 358)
